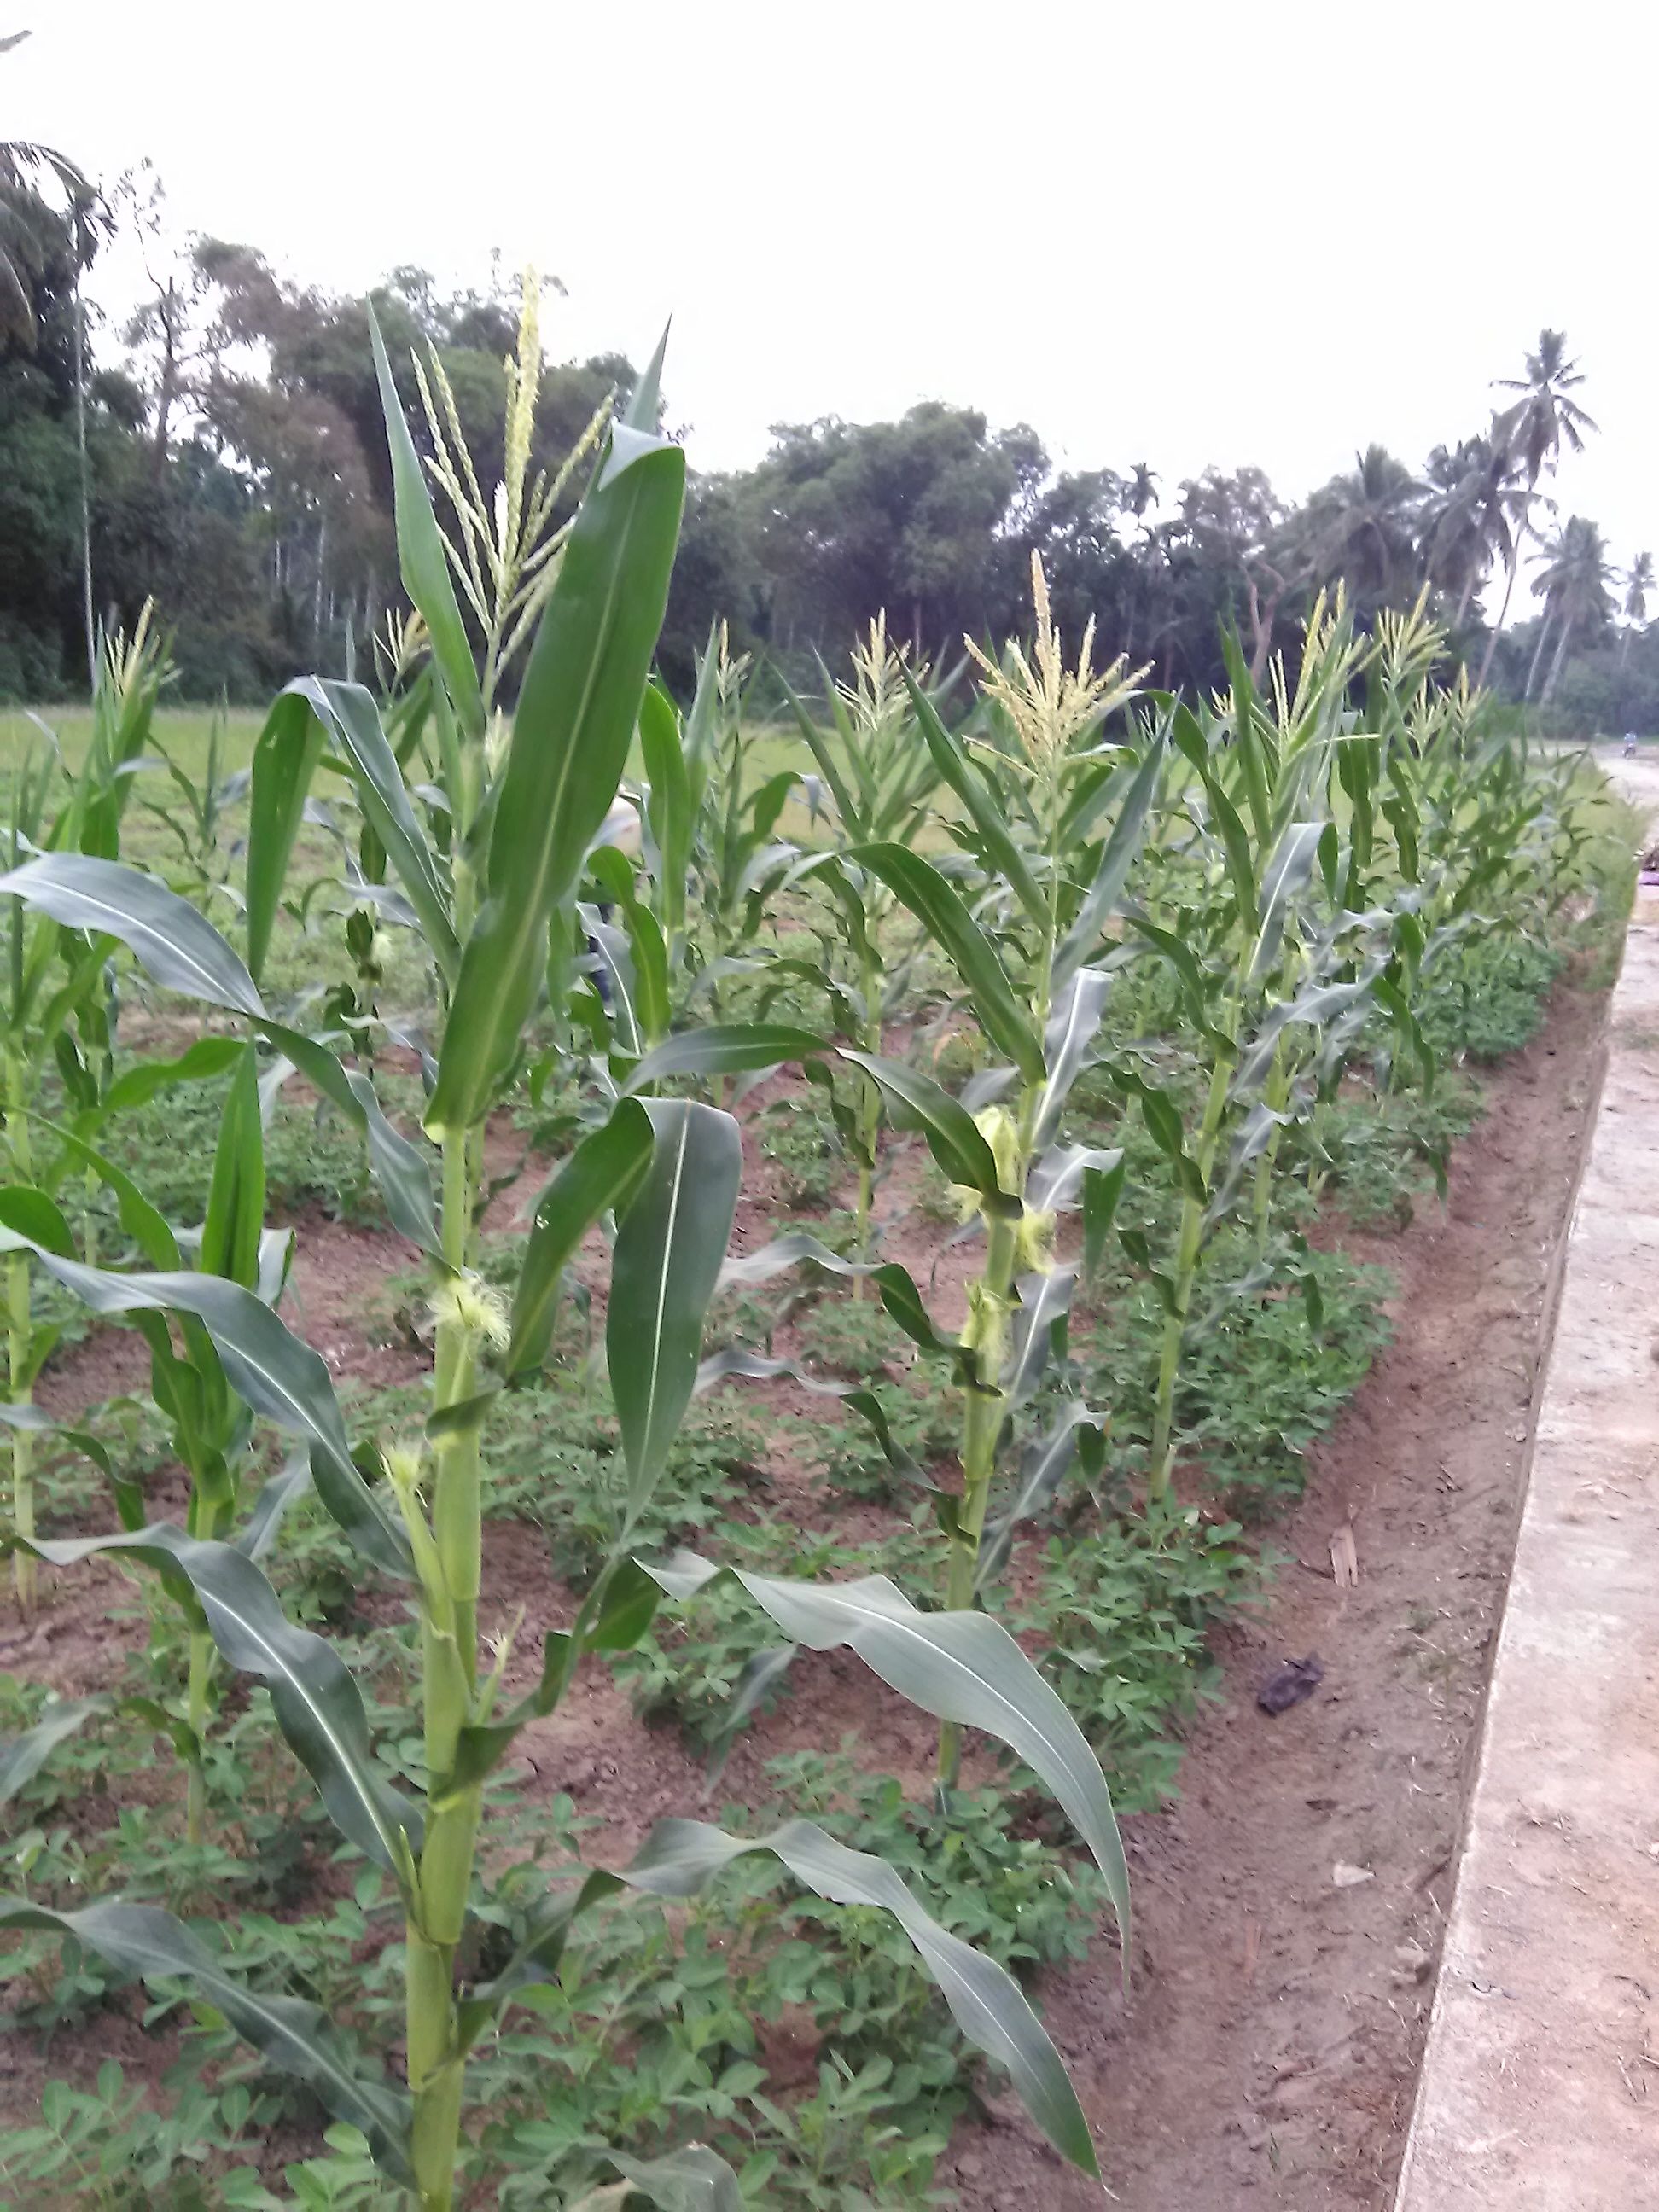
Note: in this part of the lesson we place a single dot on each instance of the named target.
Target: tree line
(220, 449)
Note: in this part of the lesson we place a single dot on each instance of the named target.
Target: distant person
(1630, 744)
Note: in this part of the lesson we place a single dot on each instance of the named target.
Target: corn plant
(525, 801)
(881, 779)
(58, 1010)
(1034, 811)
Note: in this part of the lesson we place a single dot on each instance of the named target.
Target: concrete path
(1539, 2090)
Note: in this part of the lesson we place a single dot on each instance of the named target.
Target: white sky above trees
(1185, 233)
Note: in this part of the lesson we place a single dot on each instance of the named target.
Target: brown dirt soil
(1270, 2051)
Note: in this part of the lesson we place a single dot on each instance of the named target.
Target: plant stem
(982, 1424)
(1275, 1092)
(449, 1654)
(869, 1115)
(201, 1523)
(19, 1342)
(1186, 1271)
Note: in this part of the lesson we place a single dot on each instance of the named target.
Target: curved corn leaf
(669, 807)
(959, 1666)
(726, 1048)
(272, 1371)
(200, 1062)
(173, 943)
(920, 885)
(603, 1172)
(1059, 1179)
(535, 1955)
(351, 718)
(862, 1400)
(285, 756)
(1045, 1302)
(1119, 855)
(22, 1757)
(316, 1701)
(690, 2180)
(421, 560)
(258, 1532)
(1003, 856)
(678, 1857)
(1285, 874)
(233, 1223)
(1043, 1469)
(952, 1137)
(399, 1167)
(1070, 1031)
(298, 2037)
(671, 1243)
(895, 1284)
(574, 724)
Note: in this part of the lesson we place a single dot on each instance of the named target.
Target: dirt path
(1270, 2051)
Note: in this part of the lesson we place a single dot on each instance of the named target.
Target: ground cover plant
(1082, 996)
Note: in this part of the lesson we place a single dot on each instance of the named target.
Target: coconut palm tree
(1574, 579)
(1533, 429)
(1637, 580)
(24, 168)
(24, 246)
(1364, 528)
(1470, 517)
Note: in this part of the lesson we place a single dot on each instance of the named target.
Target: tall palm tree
(1142, 490)
(24, 244)
(1575, 581)
(1533, 430)
(1469, 520)
(1637, 580)
(1365, 527)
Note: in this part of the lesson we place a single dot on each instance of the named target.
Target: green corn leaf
(575, 720)
(1003, 856)
(668, 806)
(297, 2037)
(694, 2179)
(235, 1220)
(400, 1169)
(1286, 873)
(22, 1756)
(272, 1371)
(679, 1857)
(726, 1048)
(173, 943)
(952, 1137)
(285, 756)
(1103, 1187)
(671, 1243)
(1122, 848)
(421, 560)
(1058, 1180)
(535, 1955)
(258, 1532)
(1045, 1302)
(959, 1666)
(30, 1215)
(209, 1056)
(1043, 1469)
(183, 950)
(894, 1283)
(312, 1692)
(722, 1365)
(948, 923)
(604, 1171)
(352, 720)
(1066, 1041)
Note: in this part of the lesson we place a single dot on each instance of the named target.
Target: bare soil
(1268, 2049)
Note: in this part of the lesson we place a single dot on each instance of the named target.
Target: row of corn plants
(1284, 871)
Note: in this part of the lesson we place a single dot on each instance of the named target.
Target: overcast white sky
(1183, 233)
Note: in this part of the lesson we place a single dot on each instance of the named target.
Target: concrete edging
(1540, 2085)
